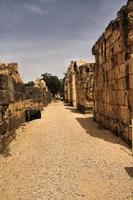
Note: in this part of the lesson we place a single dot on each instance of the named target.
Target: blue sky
(45, 35)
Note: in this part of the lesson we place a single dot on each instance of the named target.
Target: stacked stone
(84, 87)
(67, 88)
(15, 98)
(73, 92)
(78, 85)
(70, 85)
(45, 94)
(4, 103)
(113, 88)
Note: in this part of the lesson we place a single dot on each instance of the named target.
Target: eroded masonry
(78, 85)
(113, 88)
(15, 98)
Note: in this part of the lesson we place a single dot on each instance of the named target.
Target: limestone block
(122, 84)
(11, 123)
(121, 58)
(3, 127)
(11, 89)
(131, 66)
(131, 82)
(3, 82)
(120, 71)
(4, 97)
(125, 114)
(122, 97)
(130, 100)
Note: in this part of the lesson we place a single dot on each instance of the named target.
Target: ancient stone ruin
(78, 85)
(15, 98)
(84, 87)
(113, 88)
(70, 85)
(107, 85)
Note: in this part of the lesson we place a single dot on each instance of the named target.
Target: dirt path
(64, 156)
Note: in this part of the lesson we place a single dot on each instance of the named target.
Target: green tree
(53, 83)
(30, 83)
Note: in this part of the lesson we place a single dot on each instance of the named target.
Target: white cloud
(36, 9)
(37, 57)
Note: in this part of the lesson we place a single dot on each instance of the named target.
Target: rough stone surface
(70, 85)
(113, 90)
(78, 85)
(15, 98)
(84, 87)
(64, 156)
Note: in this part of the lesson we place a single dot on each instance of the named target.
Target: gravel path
(64, 156)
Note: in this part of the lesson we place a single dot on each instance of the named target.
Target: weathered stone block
(3, 127)
(113, 75)
(122, 84)
(3, 82)
(131, 66)
(4, 97)
(131, 82)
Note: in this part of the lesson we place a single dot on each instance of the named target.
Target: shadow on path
(129, 170)
(74, 110)
(95, 130)
(66, 104)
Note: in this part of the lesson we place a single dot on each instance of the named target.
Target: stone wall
(84, 87)
(67, 88)
(15, 98)
(78, 85)
(113, 89)
(70, 85)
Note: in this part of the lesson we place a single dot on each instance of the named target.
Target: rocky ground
(66, 156)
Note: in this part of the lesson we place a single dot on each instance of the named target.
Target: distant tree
(30, 83)
(53, 83)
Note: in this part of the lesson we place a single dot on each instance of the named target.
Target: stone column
(65, 91)
(68, 92)
(74, 102)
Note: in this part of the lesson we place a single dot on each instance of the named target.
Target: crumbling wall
(113, 89)
(15, 98)
(67, 88)
(70, 85)
(78, 85)
(84, 87)
(4, 103)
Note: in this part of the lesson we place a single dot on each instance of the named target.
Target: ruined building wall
(66, 90)
(73, 92)
(78, 85)
(84, 87)
(70, 85)
(113, 89)
(15, 98)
